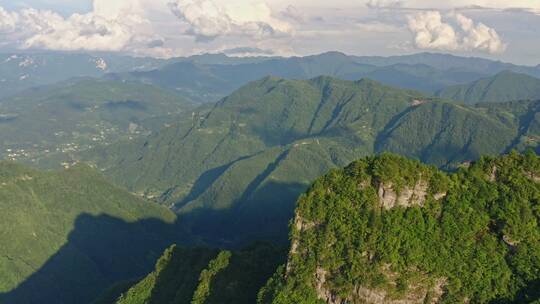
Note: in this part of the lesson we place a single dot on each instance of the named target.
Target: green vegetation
(213, 78)
(77, 115)
(255, 151)
(207, 275)
(471, 236)
(505, 86)
(242, 162)
(385, 227)
(65, 236)
(203, 276)
(174, 279)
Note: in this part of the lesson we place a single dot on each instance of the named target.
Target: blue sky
(499, 29)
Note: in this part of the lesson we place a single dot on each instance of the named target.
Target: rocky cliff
(391, 230)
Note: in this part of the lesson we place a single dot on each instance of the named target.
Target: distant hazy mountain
(78, 114)
(67, 236)
(25, 70)
(447, 62)
(505, 86)
(242, 162)
(206, 82)
(208, 77)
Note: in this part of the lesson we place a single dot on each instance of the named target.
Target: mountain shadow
(263, 216)
(100, 251)
(105, 251)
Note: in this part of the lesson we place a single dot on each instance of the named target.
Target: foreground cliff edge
(385, 229)
(391, 230)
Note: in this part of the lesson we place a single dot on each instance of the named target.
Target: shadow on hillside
(100, 251)
(103, 250)
(528, 294)
(263, 216)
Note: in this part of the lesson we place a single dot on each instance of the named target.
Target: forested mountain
(202, 276)
(66, 236)
(78, 114)
(241, 163)
(505, 86)
(181, 169)
(390, 230)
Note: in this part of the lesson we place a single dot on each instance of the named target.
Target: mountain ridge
(504, 86)
(246, 158)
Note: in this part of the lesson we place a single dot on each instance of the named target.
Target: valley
(209, 160)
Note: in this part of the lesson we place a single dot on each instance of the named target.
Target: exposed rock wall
(390, 198)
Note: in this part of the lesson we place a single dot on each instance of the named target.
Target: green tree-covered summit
(387, 229)
(505, 86)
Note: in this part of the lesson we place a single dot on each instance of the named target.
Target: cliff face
(391, 230)
(407, 196)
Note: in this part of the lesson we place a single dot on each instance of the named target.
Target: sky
(504, 30)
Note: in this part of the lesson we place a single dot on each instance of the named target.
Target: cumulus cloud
(112, 25)
(209, 19)
(453, 32)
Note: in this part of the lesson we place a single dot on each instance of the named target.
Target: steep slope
(204, 276)
(241, 163)
(390, 230)
(261, 138)
(78, 114)
(65, 236)
(446, 134)
(505, 86)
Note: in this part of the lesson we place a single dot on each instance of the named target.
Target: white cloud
(209, 19)
(8, 21)
(112, 25)
(454, 32)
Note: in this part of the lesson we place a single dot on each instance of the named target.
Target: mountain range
(210, 153)
(203, 81)
(242, 162)
(384, 229)
(505, 86)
